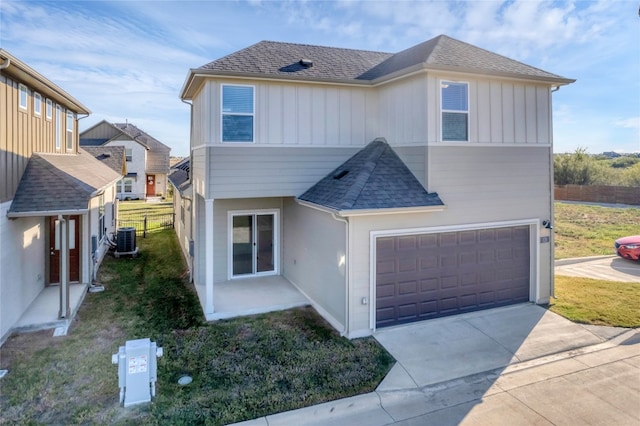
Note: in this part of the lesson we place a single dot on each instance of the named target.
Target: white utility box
(137, 371)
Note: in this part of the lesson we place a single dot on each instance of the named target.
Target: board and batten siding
(246, 172)
(314, 247)
(294, 114)
(22, 133)
(500, 111)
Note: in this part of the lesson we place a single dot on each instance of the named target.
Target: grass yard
(242, 368)
(138, 205)
(589, 301)
(586, 230)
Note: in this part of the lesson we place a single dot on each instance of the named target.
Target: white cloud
(628, 123)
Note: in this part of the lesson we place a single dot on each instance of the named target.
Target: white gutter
(47, 213)
(372, 212)
(6, 64)
(346, 271)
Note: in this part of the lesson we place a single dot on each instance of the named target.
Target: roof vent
(341, 174)
(106, 154)
(307, 63)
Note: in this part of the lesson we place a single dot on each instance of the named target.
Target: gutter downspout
(192, 242)
(552, 277)
(346, 271)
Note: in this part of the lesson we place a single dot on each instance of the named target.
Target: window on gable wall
(455, 111)
(128, 152)
(237, 113)
(37, 103)
(24, 96)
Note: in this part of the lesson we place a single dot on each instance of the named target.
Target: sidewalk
(595, 385)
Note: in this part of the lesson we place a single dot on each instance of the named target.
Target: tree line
(581, 168)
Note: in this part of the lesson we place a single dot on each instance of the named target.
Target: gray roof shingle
(374, 178)
(282, 60)
(112, 156)
(60, 182)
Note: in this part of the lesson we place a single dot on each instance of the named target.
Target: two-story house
(147, 158)
(386, 188)
(57, 202)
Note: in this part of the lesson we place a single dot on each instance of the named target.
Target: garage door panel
(433, 275)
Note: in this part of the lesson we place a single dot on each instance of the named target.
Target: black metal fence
(147, 219)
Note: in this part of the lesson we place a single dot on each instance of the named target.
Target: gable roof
(60, 183)
(112, 156)
(140, 136)
(290, 61)
(374, 178)
(179, 176)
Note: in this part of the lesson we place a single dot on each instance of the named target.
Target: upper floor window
(37, 103)
(128, 153)
(59, 118)
(49, 109)
(237, 113)
(455, 111)
(24, 96)
(69, 130)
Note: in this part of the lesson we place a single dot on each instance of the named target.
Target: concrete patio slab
(43, 311)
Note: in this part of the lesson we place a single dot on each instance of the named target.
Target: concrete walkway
(520, 364)
(609, 268)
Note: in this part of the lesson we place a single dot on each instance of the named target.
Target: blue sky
(127, 60)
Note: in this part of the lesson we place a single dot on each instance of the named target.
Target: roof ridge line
(370, 164)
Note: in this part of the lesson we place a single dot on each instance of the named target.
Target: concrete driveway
(610, 268)
(444, 349)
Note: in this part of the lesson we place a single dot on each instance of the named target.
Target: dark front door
(433, 275)
(54, 249)
(151, 185)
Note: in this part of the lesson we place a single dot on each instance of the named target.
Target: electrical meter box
(137, 371)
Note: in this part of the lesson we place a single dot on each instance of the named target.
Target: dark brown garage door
(433, 275)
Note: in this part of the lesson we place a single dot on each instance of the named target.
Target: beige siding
(221, 209)
(403, 111)
(22, 133)
(246, 172)
(415, 157)
(314, 247)
(294, 114)
(103, 130)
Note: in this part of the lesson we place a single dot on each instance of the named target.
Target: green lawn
(589, 301)
(242, 368)
(587, 230)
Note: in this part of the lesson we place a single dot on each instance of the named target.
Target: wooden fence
(598, 194)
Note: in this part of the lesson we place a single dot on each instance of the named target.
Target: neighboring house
(387, 188)
(147, 158)
(182, 202)
(57, 202)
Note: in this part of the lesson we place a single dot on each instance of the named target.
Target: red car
(628, 247)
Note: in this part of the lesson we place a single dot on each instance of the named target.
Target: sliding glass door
(253, 244)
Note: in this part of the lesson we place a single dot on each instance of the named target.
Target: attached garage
(430, 275)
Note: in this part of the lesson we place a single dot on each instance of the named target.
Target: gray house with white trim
(386, 188)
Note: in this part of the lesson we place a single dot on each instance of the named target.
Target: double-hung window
(24, 96)
(455, 111)
(37, 104)
(128, 185)
(237, 113)
(69, 130)
(59, 118)
(49, 109)
(128, 154)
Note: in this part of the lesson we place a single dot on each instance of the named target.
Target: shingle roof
(112, 156)
(374, 178)
(179, 176)
(60, 182)
(141, 137)
(272, 58)
(282, 60)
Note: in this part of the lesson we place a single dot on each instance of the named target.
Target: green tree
(578, 168)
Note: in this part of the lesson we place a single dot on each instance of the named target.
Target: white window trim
(23, 89)
(58, 127)
(253, 114)
(49, 108)
(37, 104)
(442, 110)
(67, 130)
(276, 242)
(129, 157)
